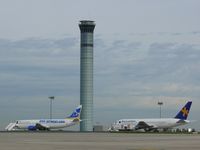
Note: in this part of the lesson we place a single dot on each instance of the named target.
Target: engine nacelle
(32, 128)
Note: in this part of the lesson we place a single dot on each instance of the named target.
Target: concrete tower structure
(86, 74)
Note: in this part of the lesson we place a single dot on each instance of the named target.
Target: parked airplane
(154, 124)
(46, 124)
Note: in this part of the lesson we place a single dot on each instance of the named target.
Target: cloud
(179, 61)
(163, 69)
(165, 33)
(37, 46)
(36, 66)
(160, 69)
(195, 32)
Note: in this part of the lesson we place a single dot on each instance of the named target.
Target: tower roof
(87, 22)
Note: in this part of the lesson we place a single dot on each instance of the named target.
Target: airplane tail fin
(184, 112)
(76, 113)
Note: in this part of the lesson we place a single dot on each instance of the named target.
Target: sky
(145, 51)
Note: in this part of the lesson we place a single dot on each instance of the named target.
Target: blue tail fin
(76, 113)
(183, 114)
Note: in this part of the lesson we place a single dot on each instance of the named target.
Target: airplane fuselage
(50, 123)
(160, 123)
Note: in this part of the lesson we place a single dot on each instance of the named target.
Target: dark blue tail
(183, 114)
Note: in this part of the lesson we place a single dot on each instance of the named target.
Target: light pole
(51, 98)
(160, 104)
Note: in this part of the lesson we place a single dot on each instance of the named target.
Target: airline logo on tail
(76, 113)
(183, 114)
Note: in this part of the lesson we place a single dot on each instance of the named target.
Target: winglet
(184, 112)
(76, 113)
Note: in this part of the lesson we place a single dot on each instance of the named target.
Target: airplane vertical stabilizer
(183, 114)
(76, 113)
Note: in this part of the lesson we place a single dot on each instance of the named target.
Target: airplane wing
(41, 126)
(145, 126)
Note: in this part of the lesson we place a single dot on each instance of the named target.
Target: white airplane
(46, 124)
(153, 124)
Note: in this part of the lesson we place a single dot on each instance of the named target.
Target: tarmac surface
(97, 141)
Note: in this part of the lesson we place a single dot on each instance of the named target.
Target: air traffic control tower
(86, 74)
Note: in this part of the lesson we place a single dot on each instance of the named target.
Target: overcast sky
(145, 51)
